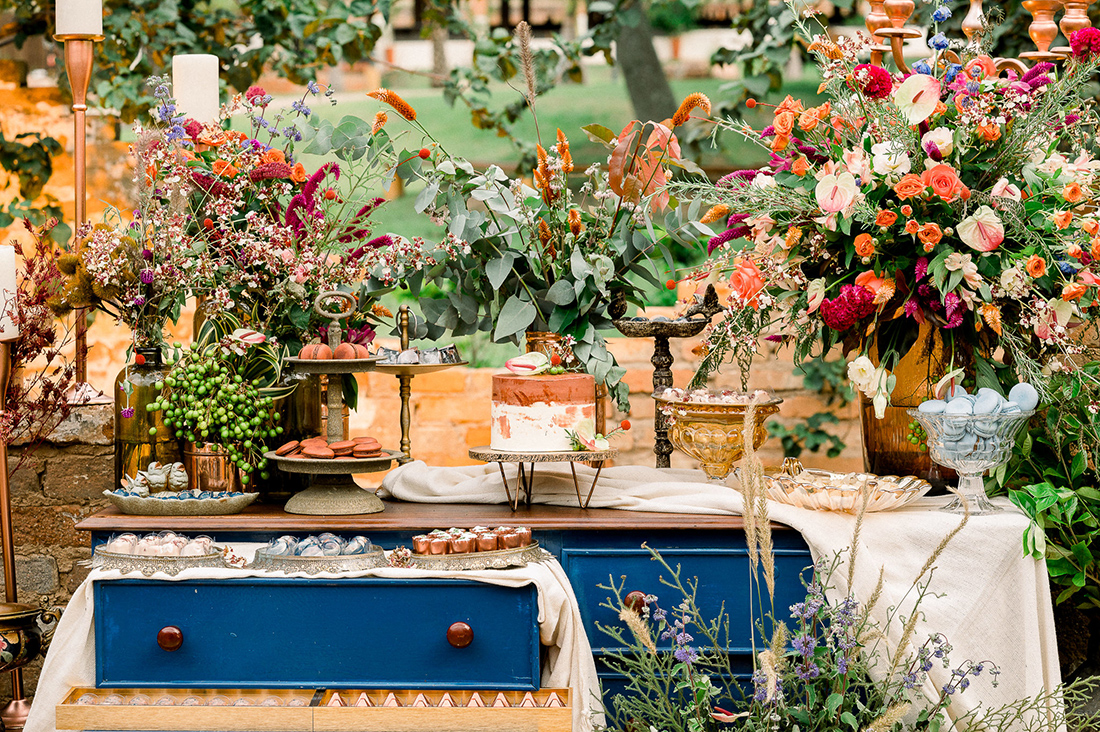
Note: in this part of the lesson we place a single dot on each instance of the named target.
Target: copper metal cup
(487, 542)
(510, 541)
(524, 535)
(438, 546)
(422, 545)
(462, 544)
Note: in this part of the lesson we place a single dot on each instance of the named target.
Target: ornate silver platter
(415, 369)
(823, 490)
(152, 506)
(149, 565)
(499, 559)
(314, 565)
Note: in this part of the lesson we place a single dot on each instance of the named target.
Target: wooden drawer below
(301, 633)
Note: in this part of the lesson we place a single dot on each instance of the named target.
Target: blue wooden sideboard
(386, 633)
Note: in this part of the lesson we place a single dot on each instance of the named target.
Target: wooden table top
(401, 516)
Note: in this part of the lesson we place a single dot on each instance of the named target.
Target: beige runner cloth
(994, 602)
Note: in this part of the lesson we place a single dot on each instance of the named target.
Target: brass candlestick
(14, 714)
(1043, 30)
(876, 20)
(79, 53)
(1075, 18)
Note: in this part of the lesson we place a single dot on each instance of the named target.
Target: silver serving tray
(333, 365)
(150, 506)
(315, 565)
(499, 559)
(149, 565)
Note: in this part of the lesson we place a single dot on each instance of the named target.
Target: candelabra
(887, 19)
(79, 50)
(14, 715)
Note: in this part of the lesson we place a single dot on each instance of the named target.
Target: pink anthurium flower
(250, 337)
(529, 363)
(982, 230)
(916, 98)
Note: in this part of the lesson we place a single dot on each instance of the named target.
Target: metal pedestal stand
(525, 481)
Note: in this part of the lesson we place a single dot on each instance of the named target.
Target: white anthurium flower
(942, 138)
(916, 97)
(982, 230)
(836, 192)
(529, 363)
(1004, 188)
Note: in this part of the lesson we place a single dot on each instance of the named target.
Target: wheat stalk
(865, 499)
(889, 718)
(526, 59)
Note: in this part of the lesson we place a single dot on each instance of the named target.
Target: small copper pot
(209, 468)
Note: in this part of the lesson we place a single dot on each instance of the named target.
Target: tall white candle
(79, 18)
(8, 293)
(195, 86)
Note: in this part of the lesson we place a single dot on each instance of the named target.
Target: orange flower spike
(380, 120)
(691, 101)
(544, 232)
(399, 105)
(715, 213)
(1036, 266)
(576, 226)
(563, 152)
(794, 235)
(991, 314)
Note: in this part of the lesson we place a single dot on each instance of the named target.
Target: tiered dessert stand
(525, 479)
(405, 373)
(332, 490)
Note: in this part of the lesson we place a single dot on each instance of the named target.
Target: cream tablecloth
(569, 662)
(991, 601)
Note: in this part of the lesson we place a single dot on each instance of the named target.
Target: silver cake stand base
(332, 490)
(525, 480)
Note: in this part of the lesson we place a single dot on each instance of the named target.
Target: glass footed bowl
(971, 444)
(826, 491)
(713, 432)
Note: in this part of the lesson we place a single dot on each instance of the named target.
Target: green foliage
(829, 380)
(28, 159)
(1053, 478)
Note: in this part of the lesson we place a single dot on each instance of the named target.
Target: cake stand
(525, 480)
(661, 331)
(332, 490)
(405, 373)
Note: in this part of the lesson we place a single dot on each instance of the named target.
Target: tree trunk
(439, 55)
(646, 82)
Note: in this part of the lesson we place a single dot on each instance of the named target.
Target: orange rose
(1094, 250)
(1074, 251)
(274, 155)
(784, 123)
(1062, 219)
(911, 227)
(1036, 266)
(886, 218)
(812, 117)
(989, 131)
(224, 168)
(870, 280)
(747, 281)
(187, 155)
(213, 138)
(800, 166)
(298, 173)
(930, 234)
(907, 210)
(1073, 291)
(236, 135)
(940, 109)
(865, 247)
(1073, 193)
(1091, 226)
(910, 186)
(981, 67)
(790, 104)
(779, 142)
(944, 182)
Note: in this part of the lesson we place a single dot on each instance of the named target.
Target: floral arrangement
(541, 257)
(954, 195)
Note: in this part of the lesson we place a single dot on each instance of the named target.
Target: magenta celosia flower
(1085, 43)
(192, 128)
(741, 177)
(254, 94)
(873, 81)
(854, 303)
(920, 269)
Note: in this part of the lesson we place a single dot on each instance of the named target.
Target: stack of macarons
(318, 448)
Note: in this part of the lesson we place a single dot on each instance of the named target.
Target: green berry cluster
(917, 436)
(556, 370)
(204, 399)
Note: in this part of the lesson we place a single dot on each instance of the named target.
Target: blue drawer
(722, 573)
(347, 633)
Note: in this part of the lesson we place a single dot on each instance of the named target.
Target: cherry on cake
(533, 413)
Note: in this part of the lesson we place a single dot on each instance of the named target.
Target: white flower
(942, 138)
(962, 262)
(882, 384)
(860, 373)
(916, 98)
(1014, 281)
(889, 158)
(836, 192)
(815, 294)
(1004, 189)
(982, 230)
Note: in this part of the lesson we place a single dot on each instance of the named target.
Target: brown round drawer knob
(635, 601)
(460, 635)
(170, 638)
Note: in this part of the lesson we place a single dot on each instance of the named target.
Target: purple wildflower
(146, 276)
(146, 254)
(127, 412)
